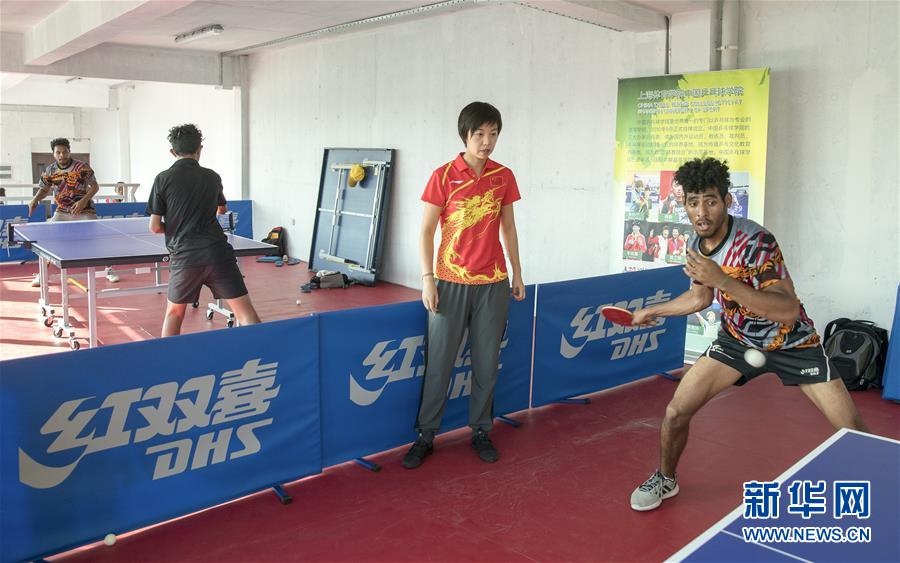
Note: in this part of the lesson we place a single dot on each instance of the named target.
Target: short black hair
(59, 141)
(474, 116)
(185, 139)
(695, 176)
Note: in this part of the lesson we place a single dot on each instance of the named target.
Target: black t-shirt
(187, 195)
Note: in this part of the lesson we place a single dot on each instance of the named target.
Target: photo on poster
(655, 242)
(664, 244)
(676, 243)
(705, 323)
(740, 194)
(635, 236)
(671, 198)
(659, 238)
(702, 328)
(642, 197)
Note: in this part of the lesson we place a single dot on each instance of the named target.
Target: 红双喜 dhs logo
(590, 325)
(159, 417)
(395, 360)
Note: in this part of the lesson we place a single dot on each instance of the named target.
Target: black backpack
(858, 350)
(277, 237)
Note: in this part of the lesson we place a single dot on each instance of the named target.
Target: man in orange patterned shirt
(74, 185)
(467, 286)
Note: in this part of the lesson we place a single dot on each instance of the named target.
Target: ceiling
(17, 16)
(246, 22)
(251, 22)
(670, 7)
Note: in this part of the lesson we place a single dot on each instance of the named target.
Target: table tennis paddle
(617, 315)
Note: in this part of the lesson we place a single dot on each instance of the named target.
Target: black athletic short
(795, 366)
(223, 279)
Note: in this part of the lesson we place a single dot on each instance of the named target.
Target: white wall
(48, 92)
(402, 86)
(19, 127)
(155, 107)
(832, 180)
(130, 143)
(688, 40)
(105, 147)
(832, 168)
(27, 130)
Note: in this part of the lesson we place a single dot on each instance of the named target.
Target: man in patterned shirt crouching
(739, 263)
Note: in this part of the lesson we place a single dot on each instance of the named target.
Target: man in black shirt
(183, 205)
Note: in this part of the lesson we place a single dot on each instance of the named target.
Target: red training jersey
(470, 251)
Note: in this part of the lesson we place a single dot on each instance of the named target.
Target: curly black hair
(185, 139)
(474, 116)
(695, 176)
(60, 141)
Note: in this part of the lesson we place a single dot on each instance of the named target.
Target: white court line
(120, 220)
(737, 512)
(785, 553)
(135, 237)
(877, 437)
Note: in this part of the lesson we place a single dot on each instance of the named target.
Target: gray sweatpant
(483, 310)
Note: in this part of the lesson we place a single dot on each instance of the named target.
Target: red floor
(274, 292)
(559, 492)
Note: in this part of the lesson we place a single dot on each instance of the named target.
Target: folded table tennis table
(98, 244)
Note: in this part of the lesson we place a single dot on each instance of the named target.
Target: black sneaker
(486, 450)
(417, 453)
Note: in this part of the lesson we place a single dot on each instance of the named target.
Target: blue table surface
(852, 457)
(108, 238)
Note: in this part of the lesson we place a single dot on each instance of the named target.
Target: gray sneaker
(654, 490)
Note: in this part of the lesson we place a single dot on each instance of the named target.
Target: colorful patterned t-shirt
(470, 251)
(750, 254)
(69, 184)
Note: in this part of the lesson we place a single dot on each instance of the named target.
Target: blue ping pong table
(852, 509)
(98, 244)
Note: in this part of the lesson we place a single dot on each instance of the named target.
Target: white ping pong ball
(755, 358)
(298, 302)
(110, 539)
